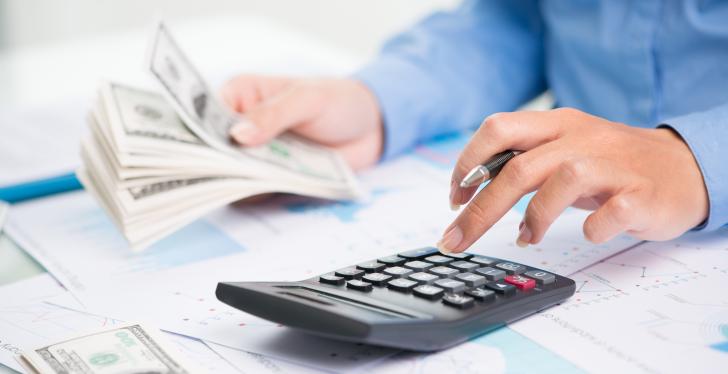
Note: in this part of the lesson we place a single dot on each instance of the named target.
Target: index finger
(499, 132)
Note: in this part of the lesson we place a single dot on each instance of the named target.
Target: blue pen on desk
(40, 188)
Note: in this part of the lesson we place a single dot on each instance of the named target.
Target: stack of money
(157, 162)
(124, 349)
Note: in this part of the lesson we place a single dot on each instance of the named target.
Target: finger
(519, 176)
(572, 180)
(622, 212)
(499, 132)
(244, 92)
(357, 153)
(288, 109)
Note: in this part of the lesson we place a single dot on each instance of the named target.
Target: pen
(488, 170)
(40, 188)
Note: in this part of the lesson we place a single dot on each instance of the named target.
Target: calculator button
(541, 277)
(358, 285)
(350, 273)
(331, 279)
(418, 265)
(470, 279)
(491, 274)
(423, 278)
(428, 292)
(501, 288)
(416, 254)
(481, 294)
(371, 266)
(439, 259)
(401, 285)
(443, 272)
(392, 260)
(459, 256)
(511, 268)
(521, 282)
(482, 260)
(451, 285)
(398, 271)
(458, 301)
(464, 265)
(377, 279)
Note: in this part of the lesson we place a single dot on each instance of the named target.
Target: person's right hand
(339, 113)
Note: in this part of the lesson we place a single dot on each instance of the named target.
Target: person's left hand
(645, 182)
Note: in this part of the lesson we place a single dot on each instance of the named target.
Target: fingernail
(243, 131)
(524, 235)
(450, 240)
(454, 207)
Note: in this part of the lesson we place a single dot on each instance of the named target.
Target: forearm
(454, 68)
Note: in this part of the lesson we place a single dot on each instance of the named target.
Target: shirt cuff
(392, 82)
(706, 134)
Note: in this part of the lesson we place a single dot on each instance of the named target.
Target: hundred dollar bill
(210, 120)
(125, 349)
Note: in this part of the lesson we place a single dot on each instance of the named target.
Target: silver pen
(487, 170)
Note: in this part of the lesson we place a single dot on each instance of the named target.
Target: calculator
(420, 300)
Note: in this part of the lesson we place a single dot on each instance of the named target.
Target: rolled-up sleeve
(706, 133)
(454, 68)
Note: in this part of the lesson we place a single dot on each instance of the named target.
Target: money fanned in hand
(157, 162)
(125, 349)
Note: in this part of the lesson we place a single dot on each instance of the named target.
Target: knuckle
(477, 215)
(517, 169)
(567, 111)
(495, 126)
(574, 170)
(621, 209)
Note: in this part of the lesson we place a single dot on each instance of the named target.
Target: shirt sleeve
(454, 68)
(706, 133)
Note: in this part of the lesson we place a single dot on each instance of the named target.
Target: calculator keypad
(398, 271)
(401, 285)
(371, 266)
(423, 278)
(458, 301)
(358, 285)
(418, 265)
(460, 280)
(350, 273)
(377, 279)
(428, 292)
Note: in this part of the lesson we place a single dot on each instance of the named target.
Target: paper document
(3, 214)
(658, 308)
(44, 140)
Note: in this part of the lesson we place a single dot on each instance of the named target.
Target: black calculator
(418, 300)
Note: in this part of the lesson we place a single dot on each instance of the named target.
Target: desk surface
(63, 77)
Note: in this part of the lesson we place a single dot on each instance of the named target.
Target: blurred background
(356, 26)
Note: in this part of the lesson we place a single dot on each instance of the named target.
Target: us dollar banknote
(156, 161)
(126, 349)
(211, 120)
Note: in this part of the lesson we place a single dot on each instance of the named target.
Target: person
(640, 133)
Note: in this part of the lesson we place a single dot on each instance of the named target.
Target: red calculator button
(521, 282)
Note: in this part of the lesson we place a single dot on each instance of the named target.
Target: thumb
(281, 112)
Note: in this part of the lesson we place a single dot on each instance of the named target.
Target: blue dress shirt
(646, 63)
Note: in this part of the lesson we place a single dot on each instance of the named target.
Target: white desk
(46, 90)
